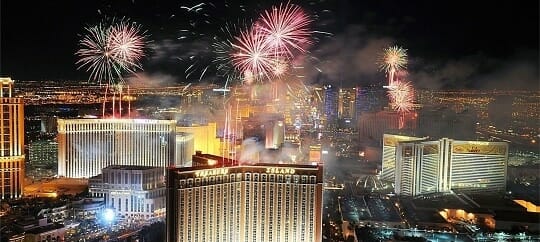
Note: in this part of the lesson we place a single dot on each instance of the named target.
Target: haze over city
(265, 120)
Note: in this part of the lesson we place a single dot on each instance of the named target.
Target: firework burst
(393, 59)
(109, 51)
(401, 96)
(285, 28)
(252, 53)
(127, 42)
(96, 54)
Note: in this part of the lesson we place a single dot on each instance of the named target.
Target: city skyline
(465, 45)
(316, 120)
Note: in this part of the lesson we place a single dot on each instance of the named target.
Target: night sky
(451, 44)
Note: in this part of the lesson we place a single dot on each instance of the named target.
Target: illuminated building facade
(330, 109)
(346, 103)
(390, 142)
(86, 146)
(12, 170)
(369, 99)
(477, 166)
(135, 192)
(274, 134)
(260, 202)
(42, 159)
(185, 148)
(269, 127)
(204, 137)
(372, 126)
(421, 167)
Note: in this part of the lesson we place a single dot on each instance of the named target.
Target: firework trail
(108, 52)
(286, 28)
(393, 59)
(401, 96)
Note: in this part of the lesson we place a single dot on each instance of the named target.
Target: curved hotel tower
(85, 146)
(11, 142)
(418, 166)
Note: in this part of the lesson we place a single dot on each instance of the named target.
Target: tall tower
(11, 142)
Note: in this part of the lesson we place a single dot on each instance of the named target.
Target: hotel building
(135, 192)
(423, 167)
(390, 142)
(86, 146)
(259, 202)
(12, 168)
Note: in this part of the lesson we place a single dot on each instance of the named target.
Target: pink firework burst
(401, 96)
(251, 53)
(286, 28)
(127, 42)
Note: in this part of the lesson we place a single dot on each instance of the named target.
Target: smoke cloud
(350, 58)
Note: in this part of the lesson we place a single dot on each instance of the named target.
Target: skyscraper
(11, 142)
(85, 146)
(330, 105)
(259, 202)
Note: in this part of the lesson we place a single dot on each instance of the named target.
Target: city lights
(237, 121)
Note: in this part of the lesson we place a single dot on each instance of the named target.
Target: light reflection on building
(85, 146)
(12, 170)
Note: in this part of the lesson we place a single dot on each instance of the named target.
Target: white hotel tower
(85, 146)
(420, 167)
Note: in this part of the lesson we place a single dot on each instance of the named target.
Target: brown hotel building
(255, 202)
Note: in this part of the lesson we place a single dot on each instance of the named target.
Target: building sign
(484, 149)
(280, 170)
(212, 172)
(392, 140)
(431, 149)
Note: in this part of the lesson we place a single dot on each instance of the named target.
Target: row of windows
(256, 177)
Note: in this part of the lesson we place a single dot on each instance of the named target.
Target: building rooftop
(129, 167)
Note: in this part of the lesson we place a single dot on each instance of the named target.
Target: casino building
(423, 167)
(12, 169)
(86, 146)
(257, 202)
(389, 154)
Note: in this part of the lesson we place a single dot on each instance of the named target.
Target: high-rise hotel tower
(418, 166)
(11, 142)
(258, 202)
(85, 146)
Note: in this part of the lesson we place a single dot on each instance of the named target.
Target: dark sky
(451, 44)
